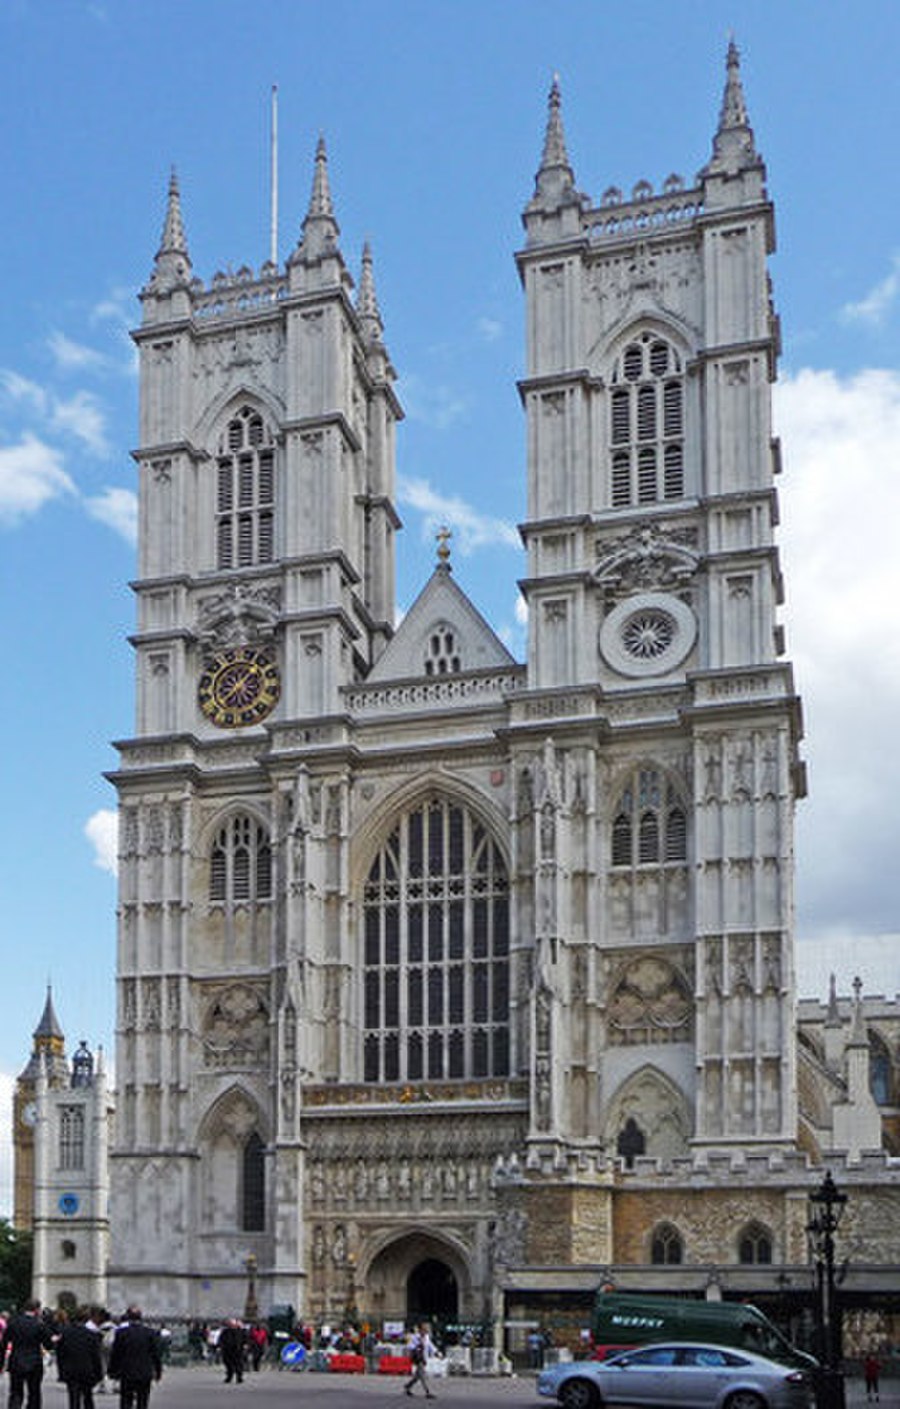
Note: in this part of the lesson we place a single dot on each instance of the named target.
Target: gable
(441, 634)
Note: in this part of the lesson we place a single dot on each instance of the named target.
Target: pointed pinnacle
(554, 153)
(366, 299)
(320, 199)
(174, 240)
(734, 106)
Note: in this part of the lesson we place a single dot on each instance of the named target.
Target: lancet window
(646, 430)
(245, 492)
(240, 868)
(649, 826)
(253, 1185)
(71, 1137)
(436, 950)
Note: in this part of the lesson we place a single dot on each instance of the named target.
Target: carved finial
(443, 537)
(366, 300)
(320, 229)
(172, 266)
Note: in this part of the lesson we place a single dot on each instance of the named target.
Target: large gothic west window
(646, 426)
(436, 950)
(245, 492)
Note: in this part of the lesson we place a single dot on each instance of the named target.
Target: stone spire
(320, 228)
(554, 182)
(48, 1048)
(172, 266)
(367, 301)
(734, 148)
(554, 211)
(48, 1027)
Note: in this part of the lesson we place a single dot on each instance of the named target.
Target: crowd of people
(88, 1348)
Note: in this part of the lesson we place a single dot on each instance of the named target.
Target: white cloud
(81, 417)
(521, 610)
(117, 508)
(31, 474)
(23, 390)
(878, 301)
(102, 831)
(471, 530)
(436, 406)
(73, 356)
(490, 329)
(841, 504)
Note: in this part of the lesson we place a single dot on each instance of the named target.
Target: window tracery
(666, 1246)
(240, 869)
(647, 423)
(245, 492)
(436, 950)
(754, 1245)
(649, 824)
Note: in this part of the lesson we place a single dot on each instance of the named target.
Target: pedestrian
(135, 1360)
(872, 1376)
(79, 1359)
(421, 1347)
(25, 1339)
(259, 1339)
(231, 1349)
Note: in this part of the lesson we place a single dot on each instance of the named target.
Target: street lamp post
(251, 1306)
(828, 1204)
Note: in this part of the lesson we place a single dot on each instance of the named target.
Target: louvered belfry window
(245, 492)
(436, 950)
(240, 867)
(646, 424)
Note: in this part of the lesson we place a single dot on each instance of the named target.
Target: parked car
(681, 1374)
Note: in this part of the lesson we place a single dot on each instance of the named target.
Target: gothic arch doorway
(432, 1293)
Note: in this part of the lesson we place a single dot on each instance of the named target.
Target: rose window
(648, 634)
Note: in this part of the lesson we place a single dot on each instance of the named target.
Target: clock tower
(48, 1063)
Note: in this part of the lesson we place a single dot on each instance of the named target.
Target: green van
(625, 1318)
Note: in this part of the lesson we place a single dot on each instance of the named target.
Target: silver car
(685, 1374)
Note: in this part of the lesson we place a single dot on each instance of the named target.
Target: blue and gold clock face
(239, 686)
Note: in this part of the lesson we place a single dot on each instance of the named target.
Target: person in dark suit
(26, 1338)
(231, 1349)
(135, 1360)
(79, 1361)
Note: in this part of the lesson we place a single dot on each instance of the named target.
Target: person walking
(872, 1375)
(231, 1349)
(79, 1359)
(25, 1339)
(421, 1347)
(135, 1360)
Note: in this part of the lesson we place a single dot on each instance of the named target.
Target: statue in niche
(450, 1181)
(404, 1181)
(713, 768)
(548, 830)
(318, 1247)
(548, 776)
(340, 1182)
(317, 1184)
(361, 1185)
(740, 771)
(542, 1092)
(427, 1183)
(542, 1017)
(339, 1246)
(383, 1181)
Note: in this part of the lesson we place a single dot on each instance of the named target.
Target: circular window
(649, 634)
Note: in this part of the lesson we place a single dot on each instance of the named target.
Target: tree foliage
(15, 1265)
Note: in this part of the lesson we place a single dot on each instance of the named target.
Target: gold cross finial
(443, 537)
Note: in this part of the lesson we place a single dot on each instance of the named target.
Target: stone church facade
(449, 983)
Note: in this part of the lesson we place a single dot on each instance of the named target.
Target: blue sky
(433, 113)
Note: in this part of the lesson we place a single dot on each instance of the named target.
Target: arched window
(880, 1083)
(666, 1247)
(71, 1137)
(631, 1142)
(649, 823)
(240, 868)
(442, 654)
(253, 1185)
(436, 950)
(245, 492)
(647, 424)
(754, 1245)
